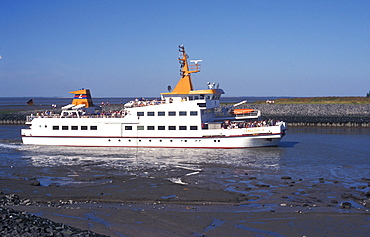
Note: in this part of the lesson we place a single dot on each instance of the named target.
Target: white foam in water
(9, 146)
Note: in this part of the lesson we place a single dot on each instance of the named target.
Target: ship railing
(222, 113)
(242, 125)
(252, 114)
(31, 117)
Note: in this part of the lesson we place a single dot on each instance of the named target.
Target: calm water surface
(330, 153)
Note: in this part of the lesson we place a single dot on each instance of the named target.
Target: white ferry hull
(211, 142)
(112, 133)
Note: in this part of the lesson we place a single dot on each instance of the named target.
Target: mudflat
(214, 200)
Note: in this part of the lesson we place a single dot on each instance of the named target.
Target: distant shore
(328, 115)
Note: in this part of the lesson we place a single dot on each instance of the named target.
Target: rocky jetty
(13, 118)
(18, 223)
(295, 114)
(317, 114)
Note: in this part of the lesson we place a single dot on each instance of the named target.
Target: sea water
(304, 153)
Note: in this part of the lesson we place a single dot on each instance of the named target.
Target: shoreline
(152, 205)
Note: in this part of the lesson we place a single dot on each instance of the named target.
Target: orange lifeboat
(242, 111)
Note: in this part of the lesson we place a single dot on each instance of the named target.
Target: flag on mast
(30, 102)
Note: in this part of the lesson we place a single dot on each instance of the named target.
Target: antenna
(196, 61)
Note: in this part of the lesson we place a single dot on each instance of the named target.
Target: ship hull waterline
(236, 142)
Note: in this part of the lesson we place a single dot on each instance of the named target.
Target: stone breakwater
(294, 114)
(13, 118)
(317, 114)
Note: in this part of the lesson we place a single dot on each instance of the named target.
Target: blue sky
(129, 48)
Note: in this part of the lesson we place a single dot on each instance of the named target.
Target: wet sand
(214, 200)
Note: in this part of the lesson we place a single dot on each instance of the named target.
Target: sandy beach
(210, 201)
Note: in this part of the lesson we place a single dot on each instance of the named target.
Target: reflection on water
(129, 158)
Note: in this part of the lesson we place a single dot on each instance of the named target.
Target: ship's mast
(185, 84)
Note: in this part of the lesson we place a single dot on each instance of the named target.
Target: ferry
(181, 118)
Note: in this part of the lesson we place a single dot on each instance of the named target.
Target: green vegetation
(321, 100)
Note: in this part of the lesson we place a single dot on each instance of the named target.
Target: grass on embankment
(320, 100)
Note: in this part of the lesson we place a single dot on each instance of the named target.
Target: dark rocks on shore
(17, 223)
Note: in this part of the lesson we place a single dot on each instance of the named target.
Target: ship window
(182, 127)
(201, 97)
(83, 127)
(196, 97)
(140, 127)
(161, 113)
(150, 127)
(191, 98)
(161, 127)
(93, 127)
(150, 113)
(171, 113)
(140, 113)
(193, 113)
(182, 113)
(128, 127)
(74, 127)
(55, 127)
(208, 97)
(171, 127)
(64, 127)
(193, 127)
(202, 104)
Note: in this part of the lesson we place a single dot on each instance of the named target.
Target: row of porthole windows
(163, 128)
(74, 127)
(170, 113)
(162, 140)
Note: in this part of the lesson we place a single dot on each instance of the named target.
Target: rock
(346, 195)
(345, 205)
(286, 177)
(35, 183)
(367, 203)
(262, 185)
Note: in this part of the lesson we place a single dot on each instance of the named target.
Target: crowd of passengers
(264, 123)
(67, 114)
(143, 102)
